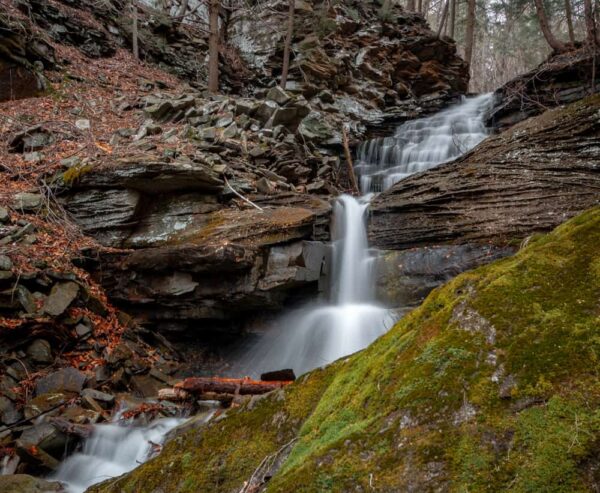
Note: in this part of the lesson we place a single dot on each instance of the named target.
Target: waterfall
(317, 335)
(419, 145)
(112, 449)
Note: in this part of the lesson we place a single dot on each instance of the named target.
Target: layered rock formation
(527, 179)
(562, 79)
(473, 390)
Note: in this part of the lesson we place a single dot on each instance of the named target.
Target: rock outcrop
(562, 79)
(473, 390)
(528, 179)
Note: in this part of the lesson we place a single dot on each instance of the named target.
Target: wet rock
(60, 298)
(65, 380)
(145, 386)
(26, 201)
(42, 442)
(22, 483)
(40, 351)
(44, 403)
(103, 397)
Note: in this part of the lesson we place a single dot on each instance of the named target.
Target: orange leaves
(104, 147)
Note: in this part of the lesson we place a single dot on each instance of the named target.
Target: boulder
(26, 201)
(64, 380)
(40, 351)
(9, 413)
(278, 95)
(60, 298)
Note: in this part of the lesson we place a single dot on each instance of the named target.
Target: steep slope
(491, 385)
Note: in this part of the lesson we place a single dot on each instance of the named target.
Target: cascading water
(318, 335)
(112, 450)
(419, 145)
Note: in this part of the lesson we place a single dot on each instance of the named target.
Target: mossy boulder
(490, 385)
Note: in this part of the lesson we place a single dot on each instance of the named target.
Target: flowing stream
(112, 450)
(317, 334)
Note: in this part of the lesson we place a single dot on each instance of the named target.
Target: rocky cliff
(491, 384)
(524, 180)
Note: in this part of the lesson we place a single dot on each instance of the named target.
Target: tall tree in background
(452, 18)
(213, 46)
(569, 17)
(134, 30)
(288, 44)
(443, 19)
(554, 43)
(470, 32)
(590, 23)
(410, 5)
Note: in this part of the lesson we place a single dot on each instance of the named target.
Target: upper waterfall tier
(422, 144)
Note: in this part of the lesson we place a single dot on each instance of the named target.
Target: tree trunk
(590, 23)
(470, 34)
(288, 45)
(420, 6)
(443, 19)
(213, 47)
(554, 43)
(183, 9)
(134, 30)
(410, 5)
(569, 16)
(452, 18)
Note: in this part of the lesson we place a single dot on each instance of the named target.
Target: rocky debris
(528, 179)
(562, 79)
(65, 380)
(60, 297)
(31, 139)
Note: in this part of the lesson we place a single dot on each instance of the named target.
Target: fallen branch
(241, 196)
(235, 386)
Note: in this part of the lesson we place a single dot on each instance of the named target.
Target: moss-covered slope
(491, 385)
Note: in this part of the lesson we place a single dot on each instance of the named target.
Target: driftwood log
(234, 386)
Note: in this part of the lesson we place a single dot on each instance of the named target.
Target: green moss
(491, 385)
(72, 175)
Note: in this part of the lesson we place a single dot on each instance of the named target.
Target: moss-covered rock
(491, 385)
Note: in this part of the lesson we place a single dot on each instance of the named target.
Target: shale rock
(525, 180)
(22, 483)
(65, 380)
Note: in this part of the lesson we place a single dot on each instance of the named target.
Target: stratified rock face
(562, 79)
(525, 180)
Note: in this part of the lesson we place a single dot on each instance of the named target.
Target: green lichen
(491, 385)
(74, 174)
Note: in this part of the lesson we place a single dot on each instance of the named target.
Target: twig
(241, 196)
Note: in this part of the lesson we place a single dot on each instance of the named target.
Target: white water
(419, 145)
(112, 450)
(317, 335)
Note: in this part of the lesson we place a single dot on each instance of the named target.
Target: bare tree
(443, 18)
(134, 30)
(569, 16)
(470, 32)
(452, 18)
(288, 44)
(410, 5)
(590, 23)
(554, 43)
(213, 46)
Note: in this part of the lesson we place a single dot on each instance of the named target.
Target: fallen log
(236, 386)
